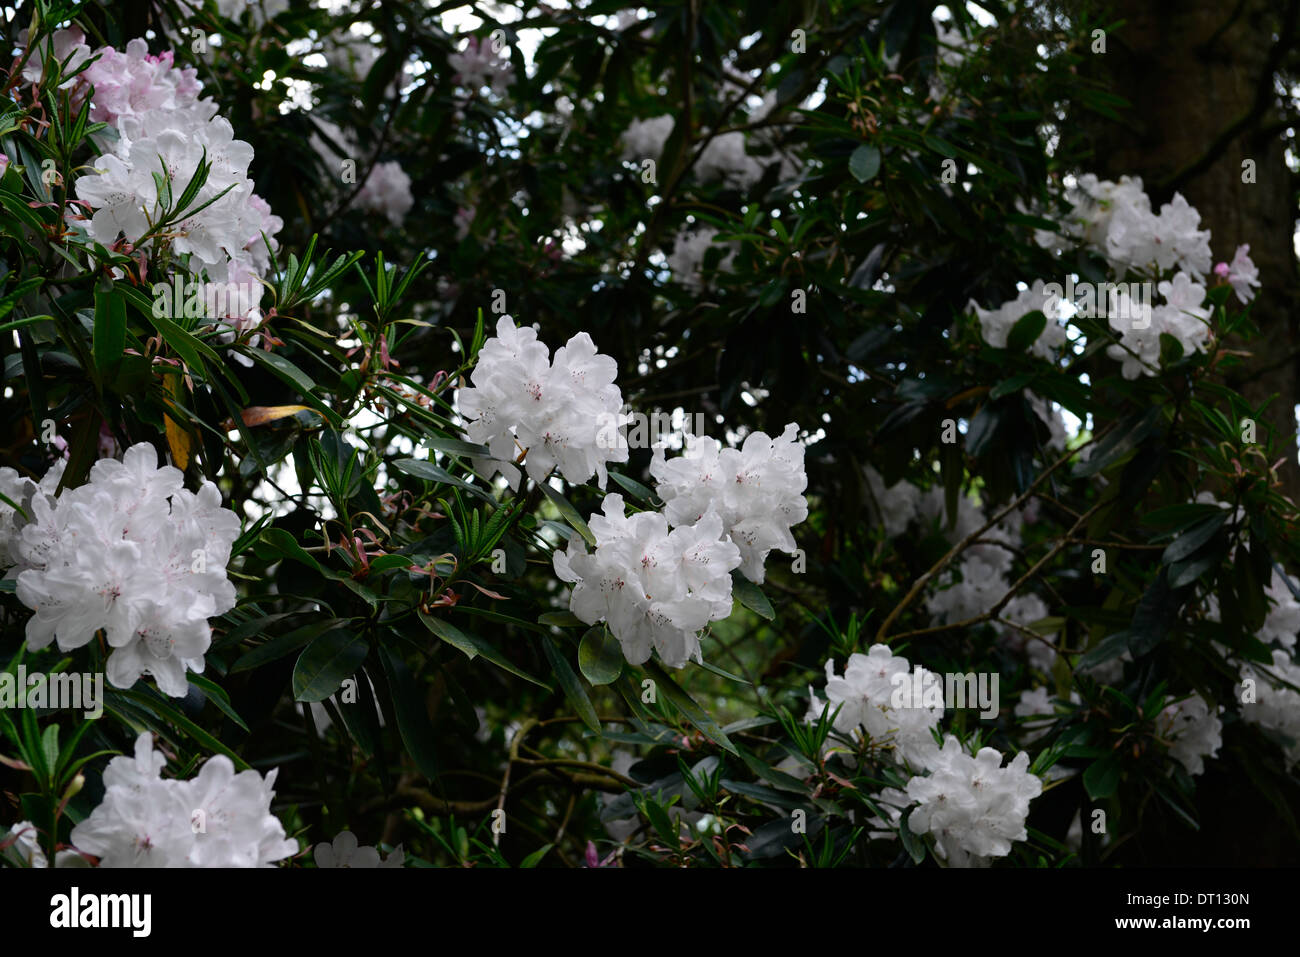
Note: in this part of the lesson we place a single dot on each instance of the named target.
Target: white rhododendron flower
(20, 491)
(724, 158)
(1242, 274)
(157, 125)
(686, 261)
(1275, 707)
(261, 10)
(561, 413)
(387, 191)
(996, 324)
(973, 806)
(977, 587)
(897, 505)
(865, 695)
(1037, 704)
(65, 45)
(134, 82)
(136, 554)
(1195, 731)
(655, 589)
(219, 818)
(478, 65)
(22, 847)
(757, 490)
(645, 139)
(1116, 220)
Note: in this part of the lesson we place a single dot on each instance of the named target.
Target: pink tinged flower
(1243, 274)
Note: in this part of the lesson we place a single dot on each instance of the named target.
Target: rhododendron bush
(351, 514)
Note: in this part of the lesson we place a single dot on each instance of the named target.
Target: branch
(920, 583)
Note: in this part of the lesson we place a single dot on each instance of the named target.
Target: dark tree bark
(1201, 76)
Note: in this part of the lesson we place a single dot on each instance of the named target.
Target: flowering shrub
(303, 549)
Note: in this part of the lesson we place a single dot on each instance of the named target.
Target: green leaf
(330, 658)
(763, 794)
(569, 513)
(50, 747)
(170, 719)
(914, 846)
(572, 686)
(1101, 779)
(1016, 382)
(109, 336)
(634, 488)
(1193, 538)
(457, 447)
(600, 656)
(1120, 443)
(1026, 331)
(284, 369)
(535, 858)
(1110, 647)
(687, 706)
(285, 544)
(751, 596)
(410, 712)
(282, 645)
(864, 163)
(561, 619)
(217, 695)
(473, 646)
(434, 473)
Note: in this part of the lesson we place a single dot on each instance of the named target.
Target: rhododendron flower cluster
(973, 806)
(686, 261)
(1037, 704)
(478, 65)
(645, 139)
(1275, 707)
(757, 490)
(387, 191)
(996, 324)
(1195, 731)
(554, 412)
(1116, 221)
(164, 128)
(1282, 622)
(1181, 316)
(723, 157)
(68, 48)
(865, 696)
(654, 588)
(134, 553)
(218, 818)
